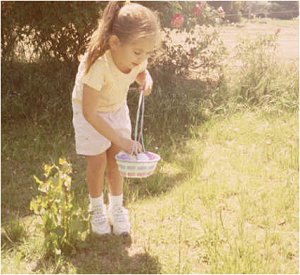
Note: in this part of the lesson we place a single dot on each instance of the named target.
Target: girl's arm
(89, 109)
(144, 79)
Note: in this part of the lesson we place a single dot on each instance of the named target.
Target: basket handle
(139, 137)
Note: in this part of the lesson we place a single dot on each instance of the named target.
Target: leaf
(34, 206)
(62, 161)
(47, 169)
(43, 188)
(37, 180)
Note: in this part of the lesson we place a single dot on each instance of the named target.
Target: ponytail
(99, 40)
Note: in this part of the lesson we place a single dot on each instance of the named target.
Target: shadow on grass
(110, 255)
(107, 254)
(155, 185)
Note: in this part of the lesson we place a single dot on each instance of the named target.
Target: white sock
(96, 201)
(115, 201)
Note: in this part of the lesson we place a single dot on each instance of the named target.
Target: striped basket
(143, 164)
(131, 166)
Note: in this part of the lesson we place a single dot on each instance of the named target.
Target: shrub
(257, 59)
(260, 79)
(49, 30)
(200, 53)
(62, 221)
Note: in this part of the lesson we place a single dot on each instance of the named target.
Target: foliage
(273, 9)
(257, 62)
(260, 80)
(284, 9)
(63, 222)
(194, 12)
(52, 30)
(201, 51)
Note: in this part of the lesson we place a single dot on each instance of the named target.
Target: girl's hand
(145, 81)
(128, 145)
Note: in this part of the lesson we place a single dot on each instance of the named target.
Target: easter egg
(142, 156)
(123, 156)
(150, 155)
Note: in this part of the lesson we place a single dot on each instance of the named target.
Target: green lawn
(225, 202)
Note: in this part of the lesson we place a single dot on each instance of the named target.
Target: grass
(233, 209)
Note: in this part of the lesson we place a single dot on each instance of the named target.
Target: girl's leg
(95, 174)
(118, 215)
(115, 180)
(95, 178)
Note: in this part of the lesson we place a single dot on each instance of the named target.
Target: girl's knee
(97, 163)
(113, 174)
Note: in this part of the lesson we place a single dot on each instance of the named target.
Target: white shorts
(89, 141)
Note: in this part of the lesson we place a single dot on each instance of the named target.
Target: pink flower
(220, 10)
(177, 20)
(197, 10)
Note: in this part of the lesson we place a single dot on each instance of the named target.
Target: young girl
(116, 57)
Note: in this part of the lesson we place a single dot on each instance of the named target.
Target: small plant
(257, 70)
(63, 223)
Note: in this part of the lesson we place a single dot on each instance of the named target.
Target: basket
(141, 165)
(132, 167)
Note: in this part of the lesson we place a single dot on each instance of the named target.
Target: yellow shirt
(105, 77)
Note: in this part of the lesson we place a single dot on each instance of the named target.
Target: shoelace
(120, 214)
(98, 215)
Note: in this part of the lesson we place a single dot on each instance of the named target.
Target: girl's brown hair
(128, 21)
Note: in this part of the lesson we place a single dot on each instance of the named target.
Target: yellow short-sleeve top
(105, 77)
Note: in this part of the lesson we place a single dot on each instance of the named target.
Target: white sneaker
(99, 220)
(118, 217)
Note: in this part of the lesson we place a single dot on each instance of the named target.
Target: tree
(284, 9)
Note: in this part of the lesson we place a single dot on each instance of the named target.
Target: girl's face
(129, 55)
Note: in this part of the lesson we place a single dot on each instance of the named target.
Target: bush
(49, 30)
(260, 79)
(257, 58)
(284, 9)
(197, 51)
(63, 222)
